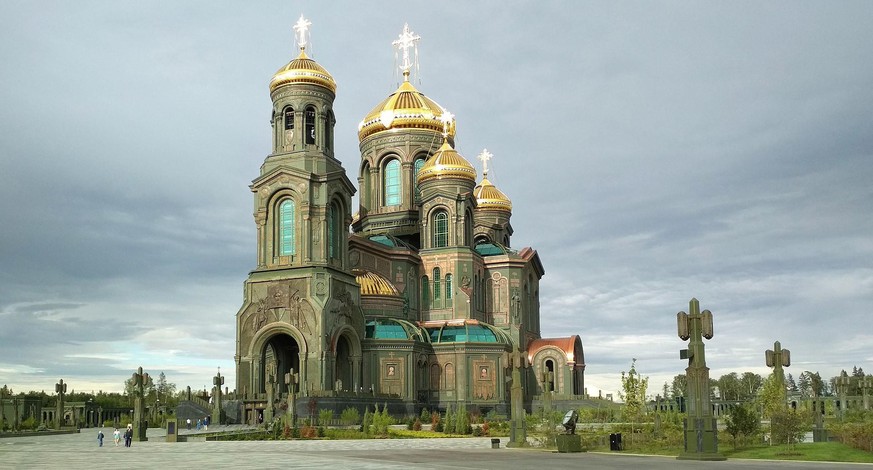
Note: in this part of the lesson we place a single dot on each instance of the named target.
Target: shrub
(425, 415)
(477, 431)
(435, 419)
(365, 425)
(325, 417)
(486, 428)
(416, 426)
(308, 432)
(350, 416)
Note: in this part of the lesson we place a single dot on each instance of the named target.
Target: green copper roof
(467, 333)
(390, 328)
(490, 249)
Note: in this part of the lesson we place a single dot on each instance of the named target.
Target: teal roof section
(392, 329)
(468, 332)
(389, 240)
(491, 249)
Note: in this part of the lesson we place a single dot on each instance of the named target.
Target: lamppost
(91, 423)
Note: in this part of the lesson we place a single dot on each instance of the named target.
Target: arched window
(450, 376)
(287, 245)
(436, 284)
(392, 183)
(550, 369)
(468, 228)
(328, 129)
(448, 287)
(440, 229)
(309, 123)
(365, 200)
(419, 162)
(333, 232)
(425, 292)
(288, 117)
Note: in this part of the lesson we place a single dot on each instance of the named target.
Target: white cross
(446, 118)
(301, 27)
(485, 156)
(406, 40)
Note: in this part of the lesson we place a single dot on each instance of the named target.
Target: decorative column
(291, 385)
(61, 389)
(701, 428)
(139, 424)
(217, 382)
(271, 385)
(517, 429)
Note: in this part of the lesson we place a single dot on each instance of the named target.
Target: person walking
(116, 436)
(100, 437)
(128, 435)
(188, 421)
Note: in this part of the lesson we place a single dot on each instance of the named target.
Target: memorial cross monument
(701, 428)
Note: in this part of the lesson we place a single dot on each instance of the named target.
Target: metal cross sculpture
(701, 428)
(485, 156)
(61, 389)
(217, 382)
(407, 40)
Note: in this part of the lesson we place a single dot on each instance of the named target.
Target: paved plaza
(74, 451)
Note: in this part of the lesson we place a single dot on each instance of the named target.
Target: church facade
(423, 302)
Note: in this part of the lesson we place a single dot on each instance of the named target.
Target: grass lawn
(812, 451)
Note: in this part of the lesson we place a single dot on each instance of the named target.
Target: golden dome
(406, 108)
(446, 162)
(303, 70)
(489, 197)
(374, 284)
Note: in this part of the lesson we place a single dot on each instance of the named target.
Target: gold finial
(301, 28)
(407, 40)
(485, 156)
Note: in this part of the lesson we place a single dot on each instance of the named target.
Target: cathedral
(417, 300)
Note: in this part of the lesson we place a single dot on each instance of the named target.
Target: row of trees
(160, 391)
(746, 386)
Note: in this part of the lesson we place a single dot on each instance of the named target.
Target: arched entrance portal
(281, 355)
(343, 372)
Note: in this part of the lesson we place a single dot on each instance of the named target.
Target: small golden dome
(446, 162)
(374, 284)
(406, 108)
(489, 197)
(303, 70)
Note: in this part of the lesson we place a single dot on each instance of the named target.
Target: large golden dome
(303, 70)
(374, 284)
(446, 162)
(406, 108)
(488, 197)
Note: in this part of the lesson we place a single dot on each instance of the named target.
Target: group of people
(117, 435)
(201, 423)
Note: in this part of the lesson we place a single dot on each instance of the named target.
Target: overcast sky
(653, 152)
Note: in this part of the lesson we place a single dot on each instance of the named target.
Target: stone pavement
(76, 451)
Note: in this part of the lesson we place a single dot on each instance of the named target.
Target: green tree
(772, 397)
(729, 386)
(680, 384)
(742, 421)
(164, 390)
(787, 426)
(751, 383)
(633, 393)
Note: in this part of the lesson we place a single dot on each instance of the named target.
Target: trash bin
(495, 443)
(618, 444)
(615, 441)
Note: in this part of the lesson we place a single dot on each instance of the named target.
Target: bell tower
(301, 300)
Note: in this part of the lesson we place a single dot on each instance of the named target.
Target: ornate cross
(485, 156)
(301, 28)
(404, 42)
(446, 118)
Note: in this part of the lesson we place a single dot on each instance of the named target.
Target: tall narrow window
(328, 128)
(436, 284)
(332, 223)
(418, 164)
(441, 229)
(309, 123)
(286, 228)
(392, 183)
(425, 292)
(448, 287)
(288, 134)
